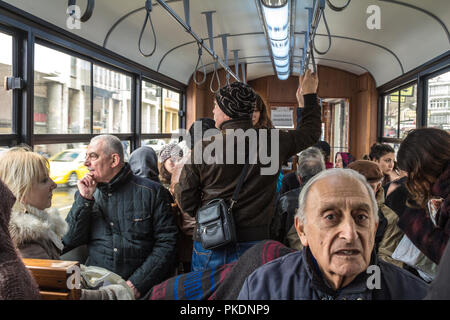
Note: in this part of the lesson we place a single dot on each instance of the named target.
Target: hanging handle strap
(196, 67)
(216, 75)
(148, 17)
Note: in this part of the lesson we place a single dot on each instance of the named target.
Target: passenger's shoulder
(280, 266)
(404, 285)
(146, 183)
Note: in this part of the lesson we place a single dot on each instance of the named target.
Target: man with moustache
(125, 220)
(336, 222)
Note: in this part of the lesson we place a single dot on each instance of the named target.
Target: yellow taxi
(66, 167)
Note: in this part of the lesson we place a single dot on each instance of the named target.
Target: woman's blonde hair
(20, 169)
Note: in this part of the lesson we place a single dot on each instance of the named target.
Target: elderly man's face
(100, 165)
(339, 229)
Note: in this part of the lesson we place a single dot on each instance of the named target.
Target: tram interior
(383, 69)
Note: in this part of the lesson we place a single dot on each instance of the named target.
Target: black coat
(128, 227)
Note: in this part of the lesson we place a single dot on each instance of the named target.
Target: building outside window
(6, 53)
(438, 104)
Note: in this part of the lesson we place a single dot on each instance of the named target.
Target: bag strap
(239, 186)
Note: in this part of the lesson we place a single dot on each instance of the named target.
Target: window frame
(29, 30)
(419, 76)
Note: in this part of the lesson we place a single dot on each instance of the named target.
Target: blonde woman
(35, 231)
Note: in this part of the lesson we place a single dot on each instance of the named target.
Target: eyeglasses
(91, 156)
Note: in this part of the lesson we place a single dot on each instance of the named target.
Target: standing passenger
(425, 155)
(202, 182)
(125, 220)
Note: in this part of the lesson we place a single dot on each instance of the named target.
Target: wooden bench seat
(51, 276)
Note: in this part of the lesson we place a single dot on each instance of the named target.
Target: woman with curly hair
(425, 155)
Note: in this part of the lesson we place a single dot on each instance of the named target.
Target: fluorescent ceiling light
(276, 16)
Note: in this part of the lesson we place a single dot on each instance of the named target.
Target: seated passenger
(125, 220)
(144, 163)
(388, 234)
(343, 159)
(384, 155)
(425, 155)
(222, 283)
(35, 231)
(169, 155)
(16, 282)
(310, 163)
(336, 222)
(325, 148)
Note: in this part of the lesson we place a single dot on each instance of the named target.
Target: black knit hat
(236, 100)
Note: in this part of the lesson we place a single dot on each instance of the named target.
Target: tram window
(438, 104)
(151, 107)
(5, 71)
(61, 93)
(400, 110)
(158, 144)
(391, 115)
(112, 101)
(171, 106)
(408, 108)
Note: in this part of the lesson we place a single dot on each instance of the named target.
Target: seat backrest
(52, 278)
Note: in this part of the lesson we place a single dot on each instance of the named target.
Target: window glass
(151, 108)
(438, 111)
(408, 108)
(391, 115)
(158, 144)
(340, 127)
(112, 101)
(61, 93)
(5, 71)
(171, 106)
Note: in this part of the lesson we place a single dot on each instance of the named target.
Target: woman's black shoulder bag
(215, 221)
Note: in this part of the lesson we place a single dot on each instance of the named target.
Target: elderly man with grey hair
(125, 220)
(310, 163)
(336, 222)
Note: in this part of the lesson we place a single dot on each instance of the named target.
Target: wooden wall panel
(333, 83)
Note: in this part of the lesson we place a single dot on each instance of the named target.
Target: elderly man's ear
(115, 160)
(300, 227)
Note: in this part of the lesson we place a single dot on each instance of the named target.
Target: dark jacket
(253, 212)
(284, 218)
(440, 288)
(129, 229)
(294, 277)
(144, 163)
(289, 182)
(419, 228)
(16, 283)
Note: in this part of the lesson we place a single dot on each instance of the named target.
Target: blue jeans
(203, 259)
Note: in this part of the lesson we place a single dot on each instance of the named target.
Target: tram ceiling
(397, 47)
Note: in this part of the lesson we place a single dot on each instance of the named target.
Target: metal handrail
(198, 39)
